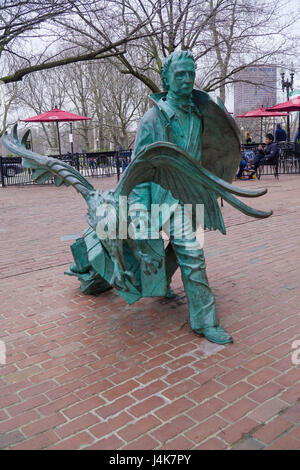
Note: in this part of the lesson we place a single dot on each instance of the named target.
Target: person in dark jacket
(280, 134)
(268, 155)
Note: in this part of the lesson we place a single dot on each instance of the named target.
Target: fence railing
(95, 164)
(100, 164)
(289, 158)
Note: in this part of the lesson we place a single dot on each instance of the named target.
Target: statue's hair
(176, 55)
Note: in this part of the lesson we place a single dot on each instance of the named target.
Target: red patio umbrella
(57, 115)
(261, 113)
(291, 105)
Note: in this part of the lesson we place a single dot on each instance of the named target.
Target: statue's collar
(159, 99)
(196, 95)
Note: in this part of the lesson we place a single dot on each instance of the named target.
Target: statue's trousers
(190, 258)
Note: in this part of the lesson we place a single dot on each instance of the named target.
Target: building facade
(257, 87)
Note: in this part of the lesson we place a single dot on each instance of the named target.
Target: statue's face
(181, 77)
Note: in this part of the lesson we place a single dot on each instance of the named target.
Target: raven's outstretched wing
(189, 182)
(45, 168)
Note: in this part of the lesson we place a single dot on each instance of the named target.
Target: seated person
(242, 167)
(245, 163)
(249, 156)
(267, 155)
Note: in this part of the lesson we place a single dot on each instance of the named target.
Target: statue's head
(178, 73)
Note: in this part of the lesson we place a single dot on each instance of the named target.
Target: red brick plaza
(85, 372)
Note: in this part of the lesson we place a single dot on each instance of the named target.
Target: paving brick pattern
(87, 372)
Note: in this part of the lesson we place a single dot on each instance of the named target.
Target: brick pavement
(87, 372)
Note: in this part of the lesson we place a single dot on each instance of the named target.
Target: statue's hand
(120, 278)
(150, 263)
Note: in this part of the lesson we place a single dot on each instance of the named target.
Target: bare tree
(135, 36)
(20, 18)
(97, 90)
(8, 98)
(247, 32)
(124, 102)
(224, 35)
(166, 24)
(77, 83)
(23, 19)
(39, 93)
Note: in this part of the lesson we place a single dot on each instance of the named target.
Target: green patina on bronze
(187, 152)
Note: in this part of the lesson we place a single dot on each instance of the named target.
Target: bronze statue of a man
(176, 117)
(187, 152)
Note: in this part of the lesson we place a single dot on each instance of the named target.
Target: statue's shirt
(185, 126)
(211, 137)
(166, 122)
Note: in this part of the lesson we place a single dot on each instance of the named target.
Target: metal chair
(273, 164)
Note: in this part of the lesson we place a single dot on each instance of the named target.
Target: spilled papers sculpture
(186, 154)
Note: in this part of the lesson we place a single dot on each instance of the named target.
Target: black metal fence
(99, 164)
(289, 158)
(95, 164)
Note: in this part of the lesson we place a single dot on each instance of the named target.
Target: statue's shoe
(73, 268)
(215, 334)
